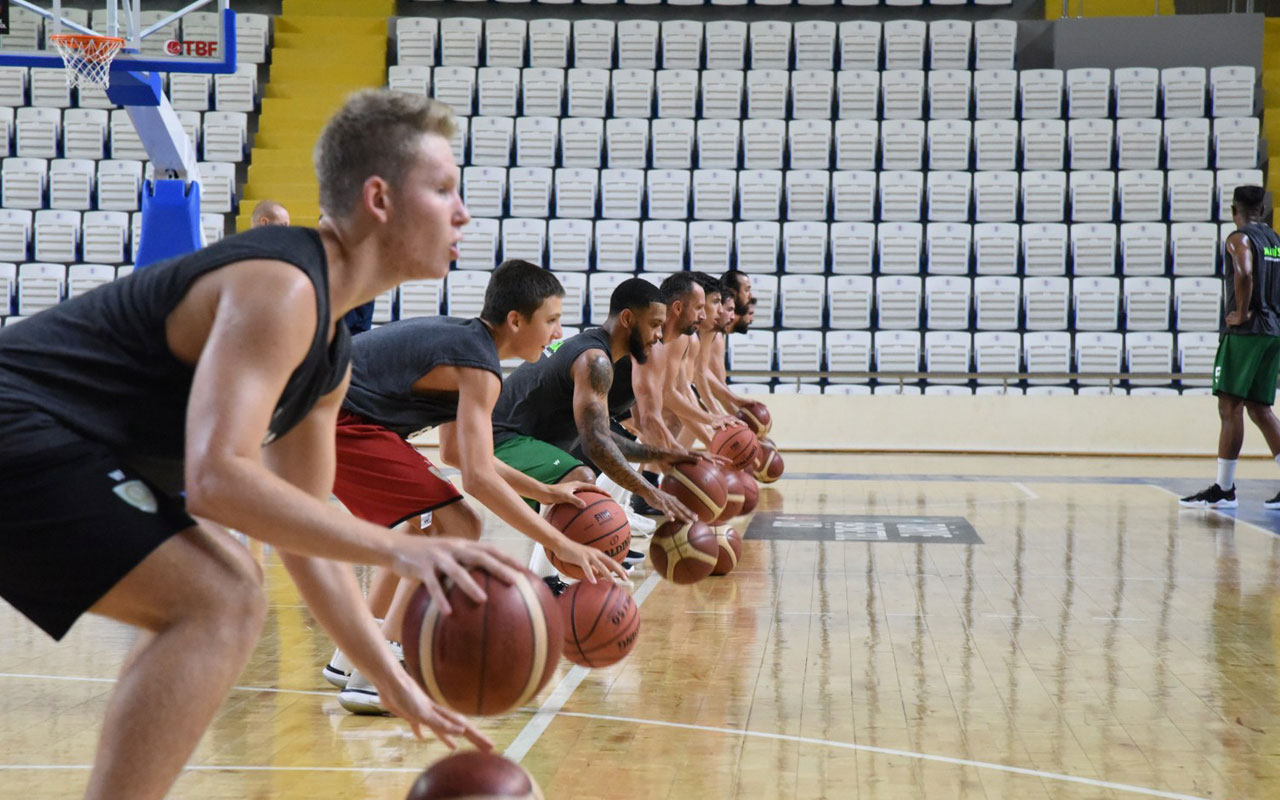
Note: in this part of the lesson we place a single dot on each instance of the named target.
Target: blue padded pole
(170, 221)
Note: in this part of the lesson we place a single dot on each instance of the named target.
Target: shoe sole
(362, 703)
(1219, 504)
(335, 677)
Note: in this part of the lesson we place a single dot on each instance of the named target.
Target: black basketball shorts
(74, 520)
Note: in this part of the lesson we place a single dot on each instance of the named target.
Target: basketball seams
(696, 490)
(426, 653)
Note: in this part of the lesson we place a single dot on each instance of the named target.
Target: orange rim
(93, 48)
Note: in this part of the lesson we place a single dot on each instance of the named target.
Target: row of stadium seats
(891, 388)
(852, 144)
(949, 351)
(719, 44)
(851, 196)
(107, 237)
(82, 133)
(29, 31)
(107, 185)
(1139, 93)
(849, 248)
(893, 302)
(188, 91)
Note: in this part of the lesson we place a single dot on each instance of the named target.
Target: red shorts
(382, 478)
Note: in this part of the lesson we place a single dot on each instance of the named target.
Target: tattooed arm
(592, 376)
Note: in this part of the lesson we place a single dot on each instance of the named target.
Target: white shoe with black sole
(361, 697)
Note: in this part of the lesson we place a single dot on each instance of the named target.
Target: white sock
(1227, 472)
(539, 564)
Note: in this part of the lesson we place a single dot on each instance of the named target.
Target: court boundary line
(84, 679)
(889, 751)
(550, 708)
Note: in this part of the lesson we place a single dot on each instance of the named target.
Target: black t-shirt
(99, 366)
(537, 400)
(386, 362)
(1265, 300)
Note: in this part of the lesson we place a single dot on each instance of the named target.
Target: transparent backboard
(159, 36)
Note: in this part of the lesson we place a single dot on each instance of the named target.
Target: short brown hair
(372, 135)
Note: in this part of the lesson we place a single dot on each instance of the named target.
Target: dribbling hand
(406, 700)
(567, 492)
(670, 507)
(429, 559)
(593, 563)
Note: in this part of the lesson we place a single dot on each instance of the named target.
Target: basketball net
(87, 58)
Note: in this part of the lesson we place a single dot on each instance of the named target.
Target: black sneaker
(632, 558)
(1273, 504)
(556, 585)
(642, 507)
(1216, 497)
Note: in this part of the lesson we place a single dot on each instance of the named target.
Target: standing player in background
(145, 417)
(268, 212)
(445, 373)
(568, 397)
(1244, 372)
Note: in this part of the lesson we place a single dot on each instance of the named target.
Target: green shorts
(543, 462)
(1246, 367)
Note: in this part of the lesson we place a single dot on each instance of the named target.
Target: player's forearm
(333, 596)
(706, 394)
(1244, 290)
(682, 404)
(241, 493)
(520, 483)
(495, 494)
(731, 401)
(652, 428)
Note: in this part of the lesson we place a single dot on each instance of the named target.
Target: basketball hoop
(88, 58)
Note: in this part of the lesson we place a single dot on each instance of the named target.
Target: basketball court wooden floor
(1098, 642)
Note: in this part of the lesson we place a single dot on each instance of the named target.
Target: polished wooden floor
(1099, 643)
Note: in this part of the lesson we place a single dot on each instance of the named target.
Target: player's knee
(1257, 411)
(582, 473)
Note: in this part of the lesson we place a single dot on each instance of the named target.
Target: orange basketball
(734, 496)
(484, 658)
(756, 415)
(736, 443)
(750, 492)
(730, 543)
(601, 622)
(473, 774)
(700, 486)
(684, 553)
(769, 464)
(602, 525)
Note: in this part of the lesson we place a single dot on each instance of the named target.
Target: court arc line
(889, 751)
(533, 729)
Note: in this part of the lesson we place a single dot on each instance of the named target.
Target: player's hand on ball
(429, 559)
(593, 563)
(406, 700)
(565, 493)
(725, 421)
(670, 507)
(1238, 317)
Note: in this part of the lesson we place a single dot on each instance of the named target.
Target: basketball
(736, 443)
(769, 464)
(750, 492)
(601, 622)
(734, 496)
(684, 553)
(484, 658)
(730, 543)
(756, 415)
(602, 525)
(700, 486)
(474, 774)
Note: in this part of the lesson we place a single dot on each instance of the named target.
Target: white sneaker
(338, 670)
(361, 697)
(641, 527)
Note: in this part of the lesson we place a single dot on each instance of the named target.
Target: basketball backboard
(198, 37)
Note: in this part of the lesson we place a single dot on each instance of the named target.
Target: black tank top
(387, 361)
(537, 400)
(100, 364)
(1265, 300)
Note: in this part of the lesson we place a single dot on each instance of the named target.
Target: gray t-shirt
(387, 361)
